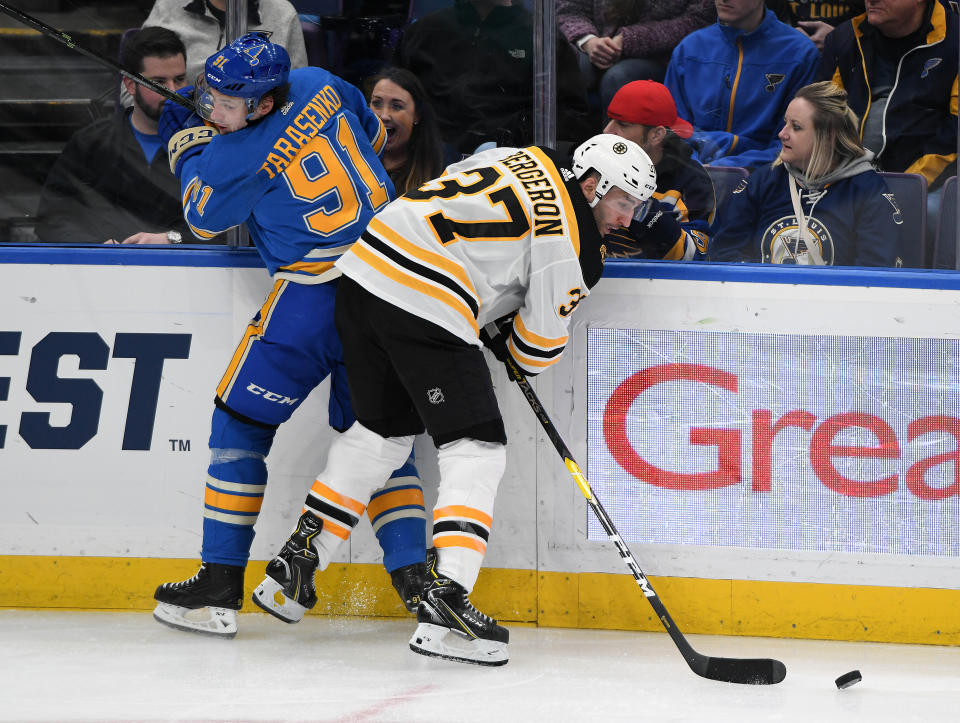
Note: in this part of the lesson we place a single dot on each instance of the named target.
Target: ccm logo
(764, 429)
(271, 396)
(149, 351)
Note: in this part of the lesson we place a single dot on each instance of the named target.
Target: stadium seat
(725, 179)
(910, 190)
(945, 245)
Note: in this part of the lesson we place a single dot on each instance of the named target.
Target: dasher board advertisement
(785, 441)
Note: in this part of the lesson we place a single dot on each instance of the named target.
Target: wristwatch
(174, 237)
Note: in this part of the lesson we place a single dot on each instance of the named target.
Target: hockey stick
(113, 65)
(753, 671)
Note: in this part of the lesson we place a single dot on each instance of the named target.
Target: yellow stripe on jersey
(678, 249)
(536, 364)
(429, 258)
(189, 190)
(252, 333)
(310, 267)
(381, 138)
(573, 231)
(528, 337)
(365, 254)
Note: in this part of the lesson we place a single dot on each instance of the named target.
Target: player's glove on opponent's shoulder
(183, 130)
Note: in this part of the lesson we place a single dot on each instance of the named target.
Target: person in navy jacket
(824, 177)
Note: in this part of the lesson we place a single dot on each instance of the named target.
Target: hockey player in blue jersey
(295, 156)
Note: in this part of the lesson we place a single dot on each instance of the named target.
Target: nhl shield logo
(435, 396)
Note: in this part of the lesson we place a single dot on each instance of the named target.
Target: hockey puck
(848, 679)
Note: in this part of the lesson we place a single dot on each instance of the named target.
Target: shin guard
(470, 472)
(236, 480)
(359, 461)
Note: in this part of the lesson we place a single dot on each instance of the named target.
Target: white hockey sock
(470, 472)
(359, 461)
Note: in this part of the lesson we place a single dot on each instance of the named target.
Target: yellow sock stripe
(462, 511)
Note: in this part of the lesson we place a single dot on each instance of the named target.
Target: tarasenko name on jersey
(306, 178)
(307, 123)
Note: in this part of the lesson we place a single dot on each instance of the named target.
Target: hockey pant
(360, 460)
(289, 348)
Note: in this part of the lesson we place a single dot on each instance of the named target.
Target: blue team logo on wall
(781, 243)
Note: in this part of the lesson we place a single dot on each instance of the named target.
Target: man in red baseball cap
(647, 103)
(644, 112)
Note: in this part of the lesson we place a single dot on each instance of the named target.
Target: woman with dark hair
(821, 202)
(412, 154)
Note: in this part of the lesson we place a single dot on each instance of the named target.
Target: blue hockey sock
(397, 514)
(236, 480)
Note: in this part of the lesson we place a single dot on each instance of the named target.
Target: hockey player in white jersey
(505, 233)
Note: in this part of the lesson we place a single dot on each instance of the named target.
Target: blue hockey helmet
(247, 68)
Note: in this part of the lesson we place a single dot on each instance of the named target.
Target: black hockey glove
(495, 335)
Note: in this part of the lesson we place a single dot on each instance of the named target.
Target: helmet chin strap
(596, 199)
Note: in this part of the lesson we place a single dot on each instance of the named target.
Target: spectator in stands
(734, 79)
(623, 40)
(824, 178)
(200, 24)
(816, 18)
(412, 154)
(475, 60)
(113, 182)
(644, 112)
(898, 62)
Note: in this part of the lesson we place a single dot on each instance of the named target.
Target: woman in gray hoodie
(821, 202)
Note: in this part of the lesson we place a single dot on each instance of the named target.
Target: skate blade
(269, 597)
(219, 622)
(439, 642)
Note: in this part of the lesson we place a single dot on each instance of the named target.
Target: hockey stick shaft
(64, 38)
(756, 671)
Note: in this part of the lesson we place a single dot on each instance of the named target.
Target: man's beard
(153, 113)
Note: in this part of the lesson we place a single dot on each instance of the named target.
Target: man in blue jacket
(734, 79)
(898, 64)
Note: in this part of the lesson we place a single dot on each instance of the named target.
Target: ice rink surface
(123, 666)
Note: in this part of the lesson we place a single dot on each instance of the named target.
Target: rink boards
(778, 448)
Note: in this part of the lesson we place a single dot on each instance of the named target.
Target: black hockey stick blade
(748, 671)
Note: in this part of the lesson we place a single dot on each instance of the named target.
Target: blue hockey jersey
(854, 220)
(306, 178)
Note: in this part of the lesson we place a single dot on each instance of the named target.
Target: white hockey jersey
(505, 230)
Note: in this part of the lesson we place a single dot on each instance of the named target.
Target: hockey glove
(495, 336)
(657, 234)
(175, 117)
(183, 131)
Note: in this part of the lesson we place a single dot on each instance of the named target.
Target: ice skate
(206, 603)
(450, 627)
(287, 592)
(410, 580)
